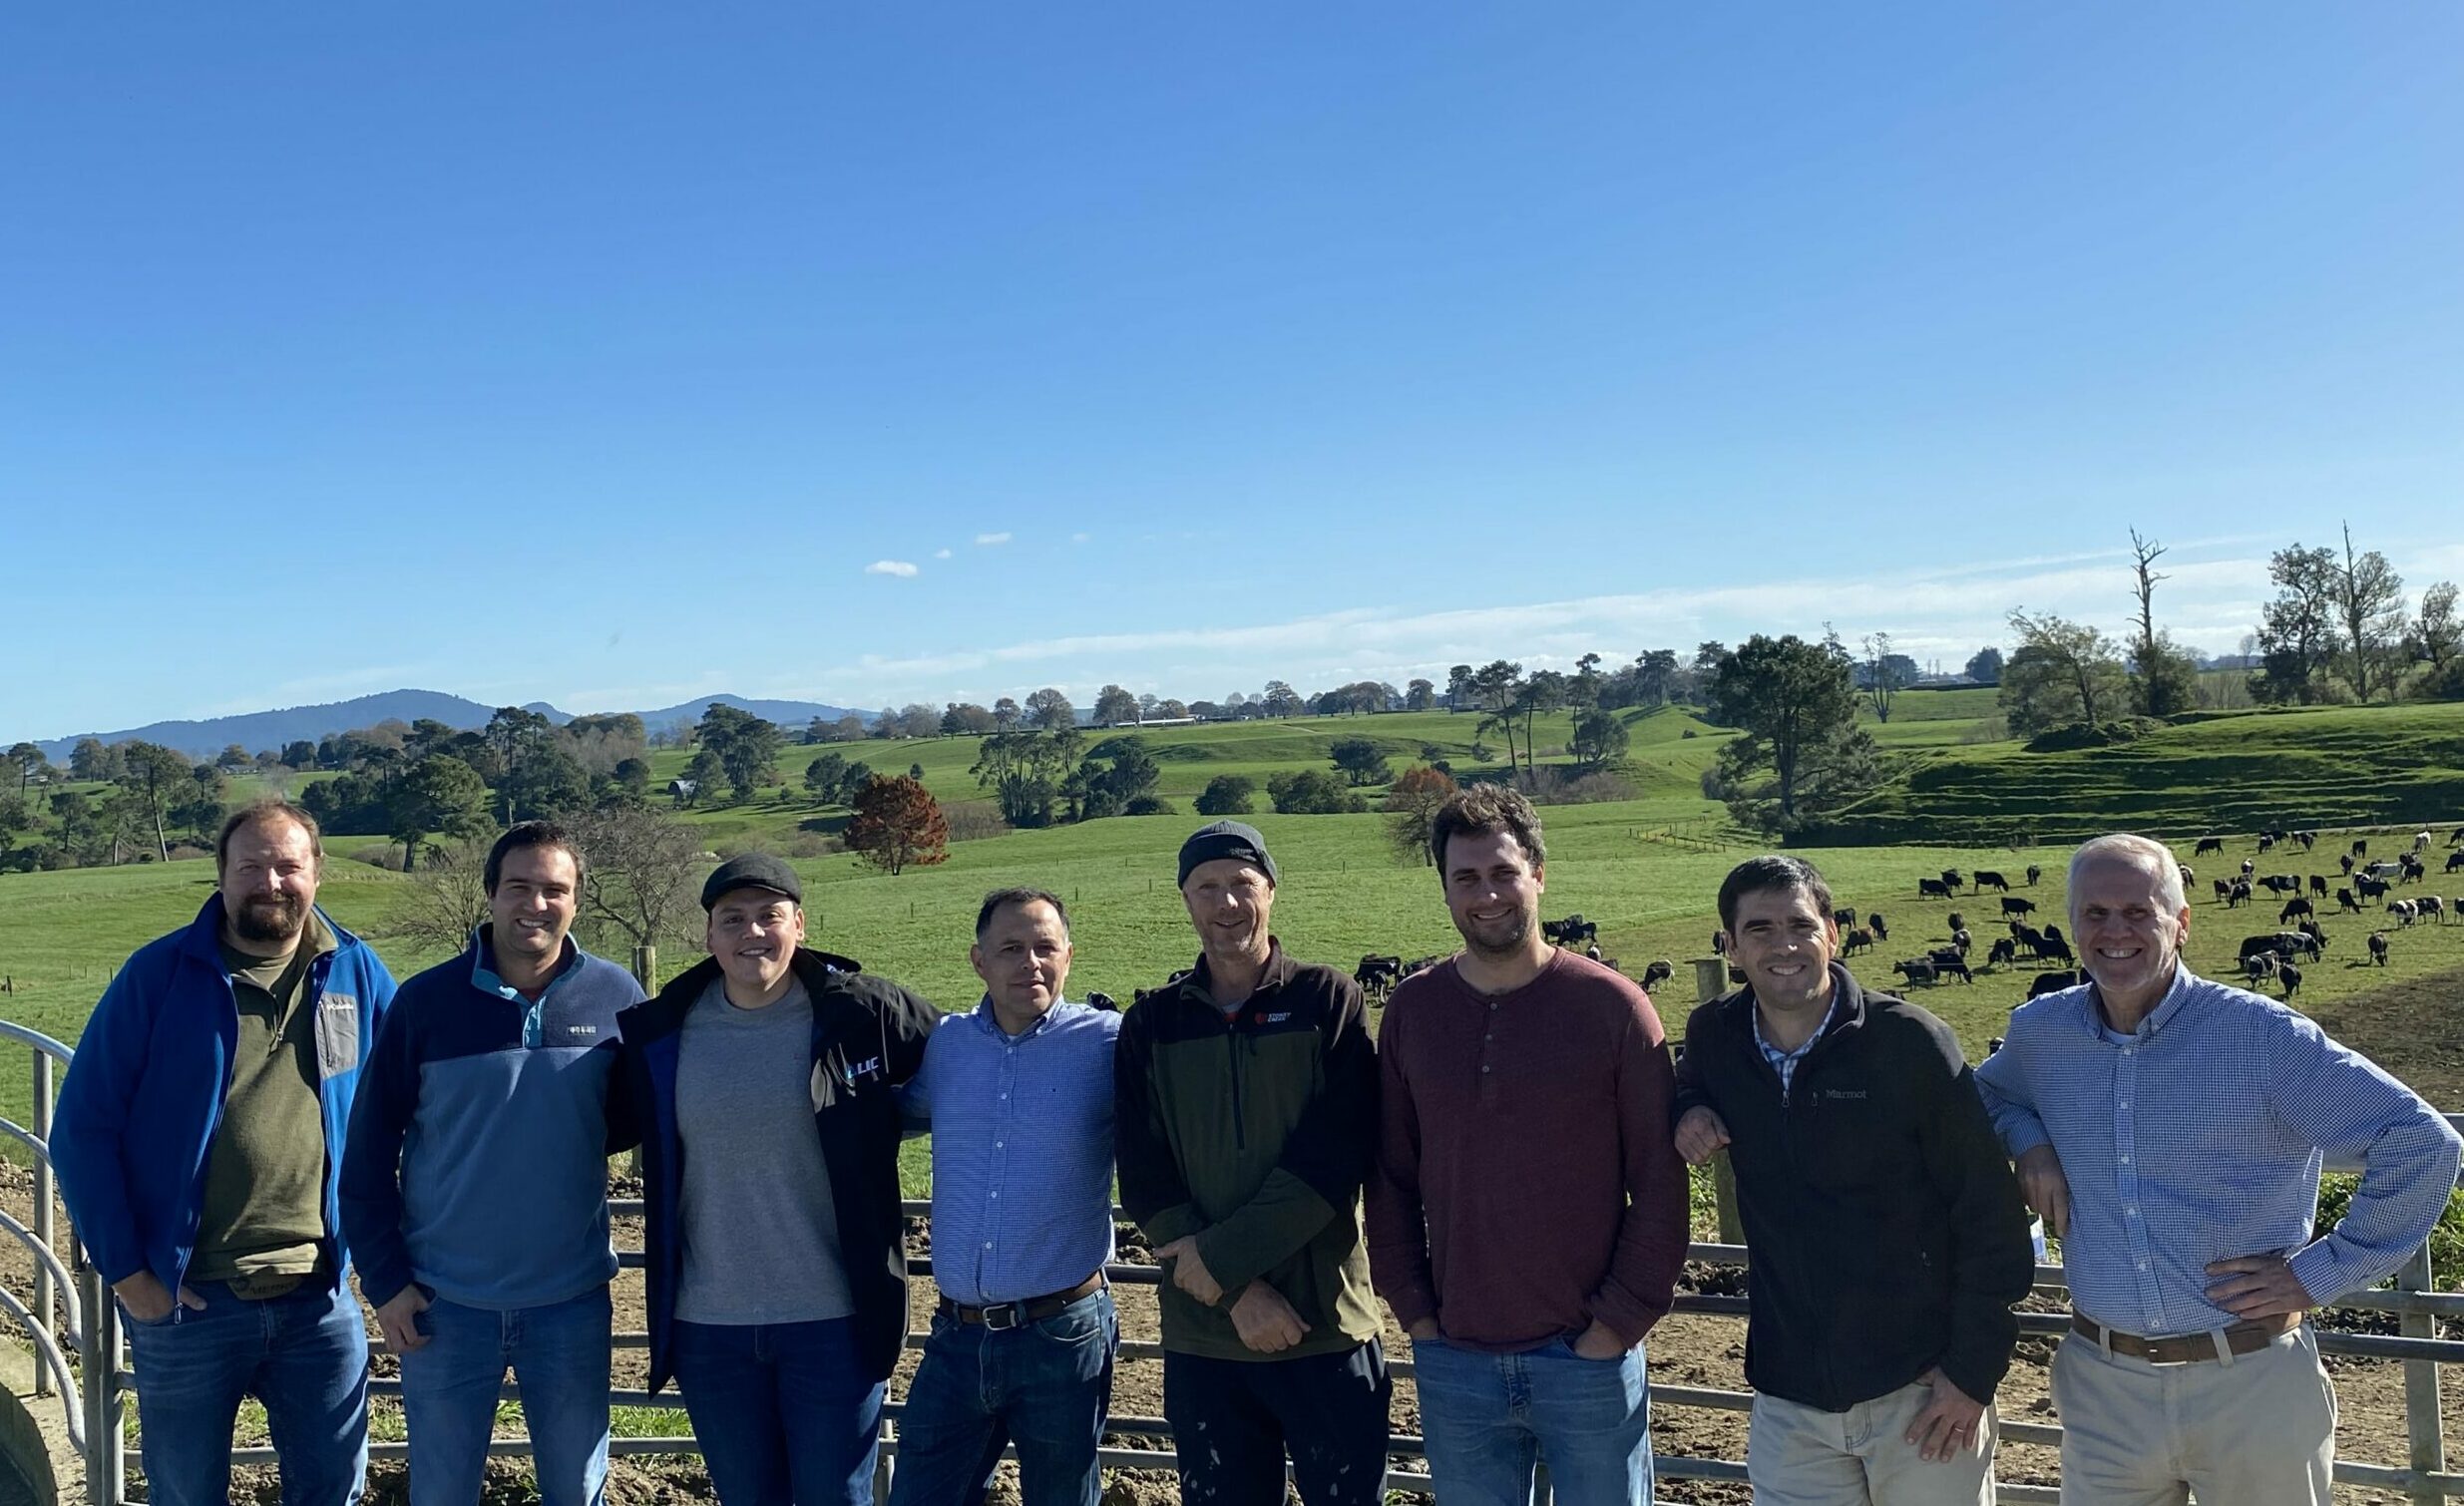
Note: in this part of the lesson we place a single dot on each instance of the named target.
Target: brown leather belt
(2186, 1348)
(1002, 1316)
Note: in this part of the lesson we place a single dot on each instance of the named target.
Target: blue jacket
(478, 1160)
(144, 1096)
(868, 1040)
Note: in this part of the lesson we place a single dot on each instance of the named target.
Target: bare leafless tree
(1882, 674)
(639, 882)
(447, 900)
(2143, 555)
(2370, 605)
(2166, 680)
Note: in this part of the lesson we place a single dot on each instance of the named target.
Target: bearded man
(200, 1143)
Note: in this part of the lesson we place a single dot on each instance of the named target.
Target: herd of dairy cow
(2270, 957)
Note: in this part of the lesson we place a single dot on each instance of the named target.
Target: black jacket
(1885, 1231)
(868, 1038)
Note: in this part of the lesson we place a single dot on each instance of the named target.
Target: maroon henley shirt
(1526, 1180)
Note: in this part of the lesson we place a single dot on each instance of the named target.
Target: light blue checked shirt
(1785, 1062)
(2200, 1137)
(1021, 1151)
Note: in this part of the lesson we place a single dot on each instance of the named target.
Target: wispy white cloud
(1080, 537)
(941, 554)
(1945, 611)
(991, 538)
(898, 568)
(1941, 611)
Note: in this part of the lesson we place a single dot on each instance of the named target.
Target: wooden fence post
(2422, 1420)
(1710, 982)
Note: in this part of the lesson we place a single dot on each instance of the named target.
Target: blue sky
(594, 353)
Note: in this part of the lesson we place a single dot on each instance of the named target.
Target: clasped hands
(1265, 1321)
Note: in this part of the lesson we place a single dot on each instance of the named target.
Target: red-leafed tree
(898, 825)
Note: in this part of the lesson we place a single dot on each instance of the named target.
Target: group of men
(1503, 1165)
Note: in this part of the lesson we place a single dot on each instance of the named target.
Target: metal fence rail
(74, 1327)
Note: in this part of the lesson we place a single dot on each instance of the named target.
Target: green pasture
(1342, 894)
(1646, 869)
(1944, 718)
(1946, 703)
(1664, 764)
(2321, 767)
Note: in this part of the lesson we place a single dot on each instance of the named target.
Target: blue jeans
(1046, 1386)
(305, 1355)
(1484, 1419)
(784, 1411)
(559, 1355)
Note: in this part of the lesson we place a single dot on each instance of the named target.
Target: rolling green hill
(1670, 749)
(2232, 772)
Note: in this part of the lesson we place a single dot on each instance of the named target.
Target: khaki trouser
(1797, 1456)
(2256, 1429)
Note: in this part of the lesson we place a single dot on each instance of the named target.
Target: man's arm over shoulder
(1325, 1161)
(89, 1127)
(1651, 1242)
(2354, 1110)
(906, 1023)
(2002, 1084)
(370, 1185)
(623, 1109)
(1154, 1193)
(1398, 1264)
(916, 1096)
(1992, 1259)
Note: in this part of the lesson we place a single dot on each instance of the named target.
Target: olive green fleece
(1254, 1131)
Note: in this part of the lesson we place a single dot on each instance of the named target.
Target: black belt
(1002, 1316)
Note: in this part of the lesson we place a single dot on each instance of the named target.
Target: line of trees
(415, 782)
(2338, 629)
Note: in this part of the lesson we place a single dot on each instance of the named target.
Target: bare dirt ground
(2409, 1028)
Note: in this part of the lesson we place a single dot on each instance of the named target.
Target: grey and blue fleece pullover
(476, 1160)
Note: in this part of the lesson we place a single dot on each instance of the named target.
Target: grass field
(1341, 896)
(1664, 764)
(2320, 767)
(1645, 868)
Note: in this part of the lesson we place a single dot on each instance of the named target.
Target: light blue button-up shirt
(2200, 1137)
(1021, 1151)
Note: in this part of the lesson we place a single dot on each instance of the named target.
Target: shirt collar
(989, 1024)
(2175, 995)
(1276, 973)
(1831, 1016)
(485, 977)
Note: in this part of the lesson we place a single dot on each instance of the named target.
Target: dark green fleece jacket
(1254, 1131)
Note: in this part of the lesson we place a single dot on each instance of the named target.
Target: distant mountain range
(789, 714)
(258, 730)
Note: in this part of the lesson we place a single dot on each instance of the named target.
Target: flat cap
(751, 870)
